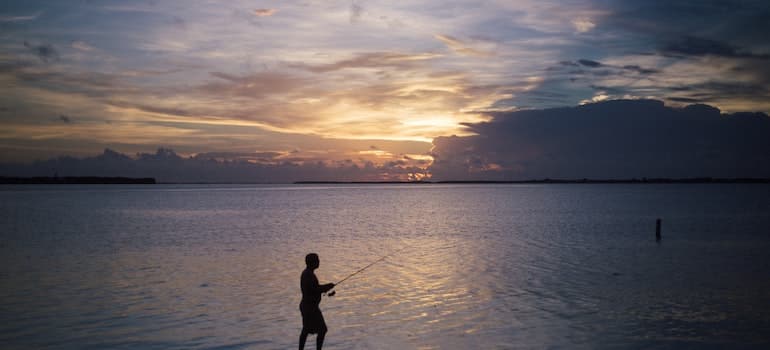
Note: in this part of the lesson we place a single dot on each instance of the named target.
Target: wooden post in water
(657, 230)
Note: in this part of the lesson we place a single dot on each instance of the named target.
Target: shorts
(312, 319)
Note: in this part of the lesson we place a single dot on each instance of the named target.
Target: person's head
(311, 260)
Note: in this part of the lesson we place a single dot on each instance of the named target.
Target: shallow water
(475, 266)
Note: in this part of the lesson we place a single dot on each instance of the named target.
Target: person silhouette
(312, 318)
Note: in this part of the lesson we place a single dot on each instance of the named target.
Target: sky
(275, 91)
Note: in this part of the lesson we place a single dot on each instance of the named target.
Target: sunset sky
(375, 84)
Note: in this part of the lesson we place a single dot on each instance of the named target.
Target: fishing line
(364, 268)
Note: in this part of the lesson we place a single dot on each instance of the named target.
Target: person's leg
(319, 340)
(302, 338)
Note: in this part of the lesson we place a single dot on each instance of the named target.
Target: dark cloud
(615, 139)
(356, 11)
(607, 68)
(225, 167)
(695, 46)
(570, 82)
(45, 52)
(179, 22)
(757, 91)
(663, 19)
(253, 156)
(65, 119)
(708, 43)
(684, 99)
(698, 47)
(589, 63)
(641, 70)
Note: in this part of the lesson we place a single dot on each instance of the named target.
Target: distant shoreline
(697, 180)
(97, 180)
(76, 180)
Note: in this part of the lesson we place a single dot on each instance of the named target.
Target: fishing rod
(331, 294)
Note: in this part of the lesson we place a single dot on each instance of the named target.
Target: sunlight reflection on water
(177, 267)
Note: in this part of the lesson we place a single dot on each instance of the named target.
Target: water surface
(476, 266)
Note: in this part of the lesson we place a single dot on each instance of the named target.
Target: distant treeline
(695, 180)
(78, 180)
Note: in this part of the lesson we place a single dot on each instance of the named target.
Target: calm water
(484, 266)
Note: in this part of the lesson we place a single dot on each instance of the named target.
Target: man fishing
(312, 318)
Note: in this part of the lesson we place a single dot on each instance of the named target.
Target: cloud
(264, 12)
(257, 85)
(45, 52)
(81, 45)
(356, 11)
(612, 139)
(396, 96)
(649, 49)
(583, 25)
(684, 100)
(65, 119)
(696, 46)
(460, 47)
(641, 70)
(309, 75)
(22, 18)
(371, 60)
(732, 80)
(589, 63)
(254, 157)
(572, 82)
(598, 97)
(55, 79)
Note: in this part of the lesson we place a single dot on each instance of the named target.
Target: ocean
(559, 266)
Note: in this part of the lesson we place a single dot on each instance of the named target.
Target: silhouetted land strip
(76, 180)
(694, 180)
(359, 182)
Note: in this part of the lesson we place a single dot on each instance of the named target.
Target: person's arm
(326, 287)
(314, 287)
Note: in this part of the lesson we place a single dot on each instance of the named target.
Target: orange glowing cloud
(264, 12)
